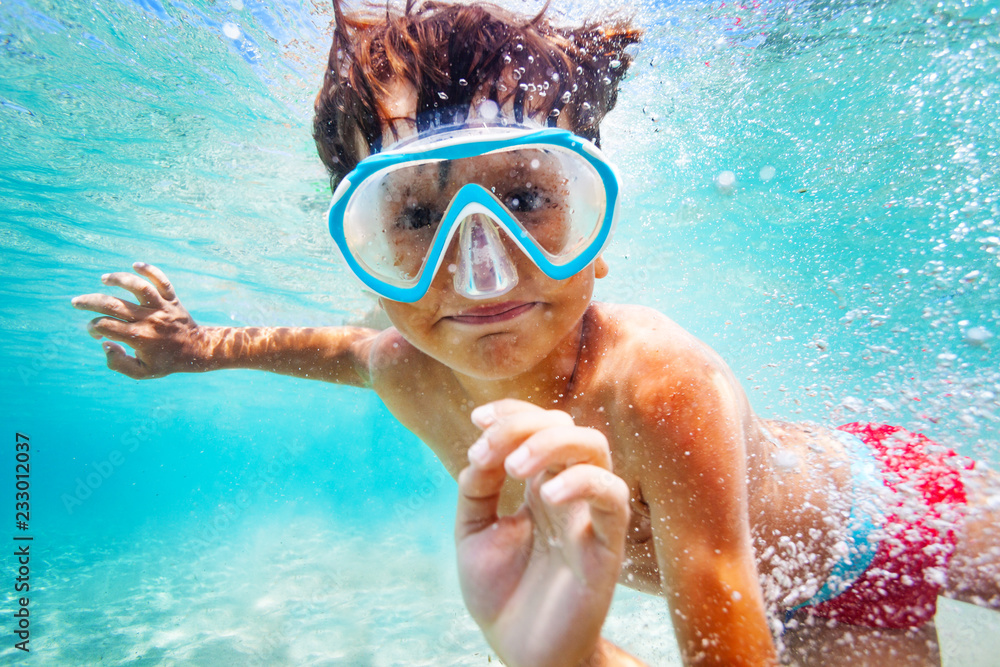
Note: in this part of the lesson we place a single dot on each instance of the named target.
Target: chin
(497, 357)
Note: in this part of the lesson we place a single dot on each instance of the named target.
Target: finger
(143, 291)
(106, 327)
(505, 435)
(158, 278)
(559, 446)
(108, 305)
(478, 499)
(548, 519)
(486, 415)
(120, 361)
(606, 494)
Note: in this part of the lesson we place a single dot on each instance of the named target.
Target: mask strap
(439, 116)
(519, 106)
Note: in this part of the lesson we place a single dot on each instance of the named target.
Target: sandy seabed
(305, 591)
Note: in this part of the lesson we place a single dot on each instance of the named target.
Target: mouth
(498, 312)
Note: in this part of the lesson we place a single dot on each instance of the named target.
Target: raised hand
(540, 581)
(162, 333)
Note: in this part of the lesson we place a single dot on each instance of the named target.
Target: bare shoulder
(399, 368)
(649, 346)
(663, 378)
(393, 356)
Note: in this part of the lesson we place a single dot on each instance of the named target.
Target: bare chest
(447, 429)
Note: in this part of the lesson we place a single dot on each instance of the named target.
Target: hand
(539, 582)
(162, 333)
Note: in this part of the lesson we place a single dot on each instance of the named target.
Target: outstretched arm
(167, 340)
(539, 582)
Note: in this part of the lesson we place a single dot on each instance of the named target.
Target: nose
(483, 267)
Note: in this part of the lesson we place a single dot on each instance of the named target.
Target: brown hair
(452, 53)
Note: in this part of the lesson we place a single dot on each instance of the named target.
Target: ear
(601, 267)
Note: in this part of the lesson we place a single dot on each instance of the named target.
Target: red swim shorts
(900, 588)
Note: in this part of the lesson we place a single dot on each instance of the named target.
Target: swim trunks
(916, 539)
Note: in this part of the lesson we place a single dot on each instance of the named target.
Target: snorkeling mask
(549, 191)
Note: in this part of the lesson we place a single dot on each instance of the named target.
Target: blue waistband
(862, 540)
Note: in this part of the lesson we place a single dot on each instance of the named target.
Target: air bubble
(883, 404)
(488, 109)
(977, 336)
(231, 30)
(463, 82)
(970, 277)
(935, 576)
(786, 460)
(767, 173)
(853, 404)
(615, 64)
(443, 95)
(990, 244)
(725, 181)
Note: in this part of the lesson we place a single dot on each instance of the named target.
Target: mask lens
(390, 223)
(393, 218)
(557, 197)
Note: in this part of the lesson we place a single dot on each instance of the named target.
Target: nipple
(484, 268)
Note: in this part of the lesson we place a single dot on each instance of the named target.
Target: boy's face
(496, 338)
(492, 338)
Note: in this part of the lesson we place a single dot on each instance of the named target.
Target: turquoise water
(850, 272)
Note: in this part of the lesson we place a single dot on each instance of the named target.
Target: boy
(470, 198)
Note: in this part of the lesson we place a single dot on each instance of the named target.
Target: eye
(418, 217)
(524, 201)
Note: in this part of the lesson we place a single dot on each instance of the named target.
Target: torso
(795, 472)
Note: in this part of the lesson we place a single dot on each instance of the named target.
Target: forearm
(331, 354)
(607, 654)
(719, 616)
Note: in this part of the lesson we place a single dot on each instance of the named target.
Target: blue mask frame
(473, 193)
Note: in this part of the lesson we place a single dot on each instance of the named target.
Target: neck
(548, 384)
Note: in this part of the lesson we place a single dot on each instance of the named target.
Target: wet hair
(452, 54)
